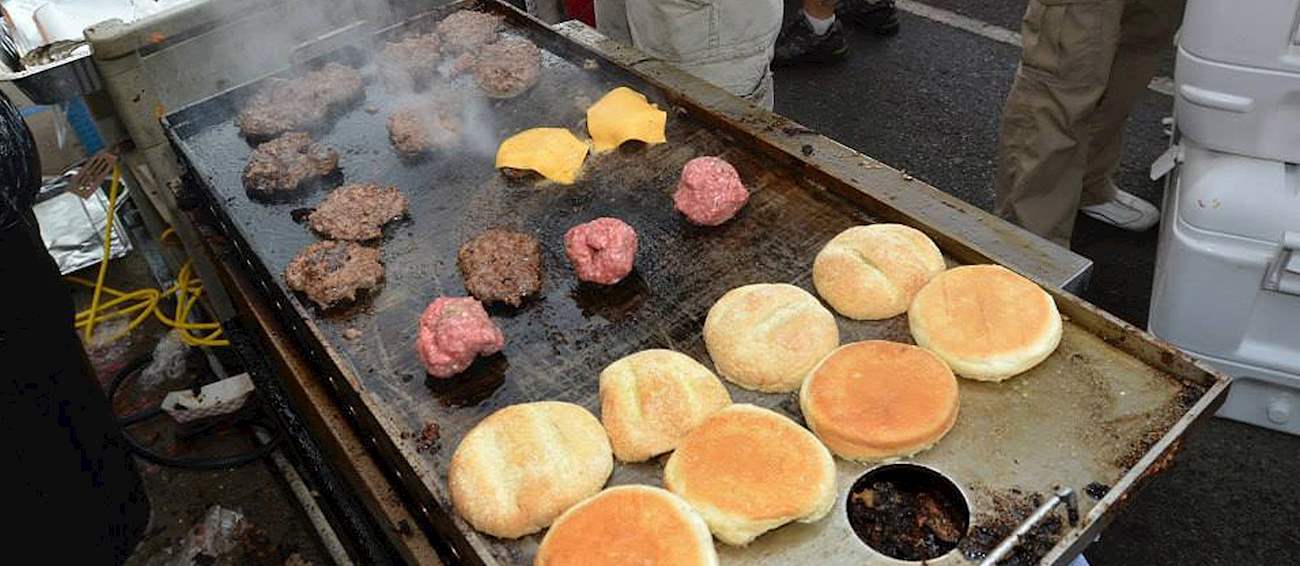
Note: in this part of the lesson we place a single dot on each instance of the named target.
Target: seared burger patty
(507, 68)
(501, 266)
(467, 30)
(286, 163)
(358, 212)
(410, 62)
(331, 273)
(420, 128)
(299, 104)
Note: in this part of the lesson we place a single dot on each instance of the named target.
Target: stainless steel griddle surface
(1086, 416)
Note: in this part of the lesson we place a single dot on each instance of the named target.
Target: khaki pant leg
(1146, 29)
(1065, 66)
(611, 20)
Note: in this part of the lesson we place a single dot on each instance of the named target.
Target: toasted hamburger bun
(767, 336)
(878, 400)
(523, 465)
(748, 470)
(628, 524)
(872, 272)
(650, 400)
(986, 321)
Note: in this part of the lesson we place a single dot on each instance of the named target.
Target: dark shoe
(878, 17)
(798, 45)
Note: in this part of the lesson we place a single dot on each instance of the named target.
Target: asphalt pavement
(928, 101)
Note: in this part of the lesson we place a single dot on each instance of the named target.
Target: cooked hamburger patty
(286, 163)
(508, 67)
(419, 128)
(467, 30)
(330, 272)
(299, 104)
(410, 62)
(501, 266)
(358, 212)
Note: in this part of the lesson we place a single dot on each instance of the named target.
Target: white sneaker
(1125, 211)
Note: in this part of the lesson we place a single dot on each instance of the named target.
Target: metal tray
(1105, 410)
(57, 81)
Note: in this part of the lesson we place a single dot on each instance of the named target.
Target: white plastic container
(1226, 290)
(1238, 77)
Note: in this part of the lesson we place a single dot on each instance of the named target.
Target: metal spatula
(92, 174)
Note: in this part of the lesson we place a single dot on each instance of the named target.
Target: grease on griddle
(1009, 509)
(907, 512)
(472, 386)
(300, 215)
(1096, 490)
(615, 302)
(427, 440)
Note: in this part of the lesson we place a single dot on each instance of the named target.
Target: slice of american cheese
(624, 114)
(555, 153)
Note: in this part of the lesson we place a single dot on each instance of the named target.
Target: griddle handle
(1063, 495)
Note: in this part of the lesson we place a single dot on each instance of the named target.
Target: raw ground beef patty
(454, 331)
(303, 103)
(501, 266)
(286, 163)
(419, 128)
(507, 68)
(331, 273)
(709, 192)
(602, 251)
(358, 212)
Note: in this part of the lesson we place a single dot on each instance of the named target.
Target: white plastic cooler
(1227, 283)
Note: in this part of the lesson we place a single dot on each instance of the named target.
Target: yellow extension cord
(144, 302)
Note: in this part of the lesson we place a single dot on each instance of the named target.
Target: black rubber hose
(143, 451)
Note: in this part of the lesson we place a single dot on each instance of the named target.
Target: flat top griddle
(1097, 412)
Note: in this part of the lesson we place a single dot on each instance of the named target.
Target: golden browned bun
(628, 524)
(987, 322)
(523, 465)
(748, 470)
(766, 336)
(872, 272)
(651, 399)
(879, 400)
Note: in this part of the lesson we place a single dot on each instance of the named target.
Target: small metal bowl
(910, 479)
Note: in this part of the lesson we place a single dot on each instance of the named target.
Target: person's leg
(1146, 29)
(813, 36)
(726, 42)
(1043, 141)
(611, 20)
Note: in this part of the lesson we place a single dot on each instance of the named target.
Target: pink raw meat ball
(453, 331)
(710, 191)
(601, 250)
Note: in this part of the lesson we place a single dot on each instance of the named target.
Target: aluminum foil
(73, 228)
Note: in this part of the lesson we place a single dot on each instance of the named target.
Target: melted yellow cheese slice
(555, 153)
(624, 114)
